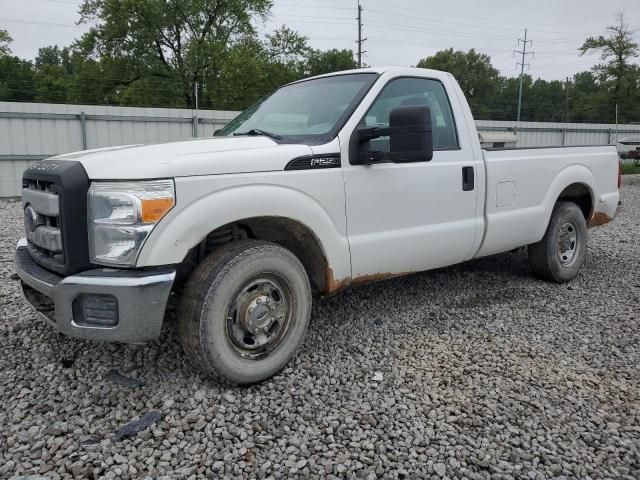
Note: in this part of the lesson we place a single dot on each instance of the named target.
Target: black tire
(551, 258)
(233, 304)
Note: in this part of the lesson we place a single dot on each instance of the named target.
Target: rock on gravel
(485, 372)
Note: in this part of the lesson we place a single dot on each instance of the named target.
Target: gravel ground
(476, 371)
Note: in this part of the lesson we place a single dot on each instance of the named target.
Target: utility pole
(565, 116)
(522, 64)
(195, 118)
(360, 39)
(616, 124)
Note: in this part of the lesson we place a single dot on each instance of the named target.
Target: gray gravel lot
(475, 371)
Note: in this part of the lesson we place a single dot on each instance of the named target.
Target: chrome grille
(41, 220)
(54, 196)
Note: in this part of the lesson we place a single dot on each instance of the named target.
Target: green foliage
(153, 53)
(180, 40)
(617, 49)
(16, 79)
(5, 41)
(319, 62)
(629, 169)
(617, 73)
(52, 75)
(478, 79)
(254, 68)
(589, 101)
(587, 97)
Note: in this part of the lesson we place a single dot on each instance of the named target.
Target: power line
(33, 22)
(306, 7)
(457, 16)
(62, 2)
(324, 22)
(431, 20)
(522, 64)
(317, 17)
(380, 61)
(337, 21)
(406, 28)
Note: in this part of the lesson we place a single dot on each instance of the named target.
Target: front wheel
(245, 311)
(561, 252)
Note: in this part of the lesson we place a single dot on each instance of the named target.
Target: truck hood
(207, 156)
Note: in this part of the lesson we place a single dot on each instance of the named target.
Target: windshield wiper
(256, 131)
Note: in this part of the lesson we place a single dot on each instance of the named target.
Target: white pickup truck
(328, 182)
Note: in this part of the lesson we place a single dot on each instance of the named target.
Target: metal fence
(541, 134)
(32, 131)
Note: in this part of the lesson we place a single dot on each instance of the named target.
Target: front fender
(197, 213)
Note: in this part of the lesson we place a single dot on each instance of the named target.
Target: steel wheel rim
(568, 243)
(259, 316)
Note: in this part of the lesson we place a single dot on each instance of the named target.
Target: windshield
(305, 110)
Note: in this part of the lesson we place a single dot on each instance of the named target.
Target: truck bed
(523, 184)
(497, 149)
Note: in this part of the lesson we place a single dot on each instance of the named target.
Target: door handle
(468, 181)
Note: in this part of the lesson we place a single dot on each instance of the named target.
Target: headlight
(122, 214)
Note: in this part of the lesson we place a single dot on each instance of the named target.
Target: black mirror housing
(413, 137)
(410, 138)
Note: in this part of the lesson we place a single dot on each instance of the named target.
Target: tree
(546, 101)
(183, 40)
(16, 75)
(52, 75)
(478, 79)
(154, 52)
(254, 68)
(16, 79)
(5, 41)
(504, 105)
(319, 62)
(285, 46)
(590, 101)
(617, 51)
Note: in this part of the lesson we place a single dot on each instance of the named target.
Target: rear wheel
(561, 252)
(245, 311)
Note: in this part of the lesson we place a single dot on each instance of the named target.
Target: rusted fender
(598, 218)
(335, 286)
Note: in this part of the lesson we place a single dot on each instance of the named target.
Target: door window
(404, 92)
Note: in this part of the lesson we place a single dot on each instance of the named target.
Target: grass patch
(630, 169)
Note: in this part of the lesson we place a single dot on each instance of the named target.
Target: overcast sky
(399, 32)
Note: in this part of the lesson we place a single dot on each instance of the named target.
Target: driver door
(406, 217)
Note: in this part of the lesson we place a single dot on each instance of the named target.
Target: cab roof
(381, 70)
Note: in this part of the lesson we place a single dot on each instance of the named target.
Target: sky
(399, 33)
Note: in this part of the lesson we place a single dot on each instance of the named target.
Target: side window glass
(408, 92)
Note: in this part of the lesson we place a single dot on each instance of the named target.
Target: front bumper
(102, 304)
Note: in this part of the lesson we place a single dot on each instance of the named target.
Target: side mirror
(413, 139)
(410, 137)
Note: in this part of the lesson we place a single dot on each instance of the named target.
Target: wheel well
(579, 194)
(290, 234)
